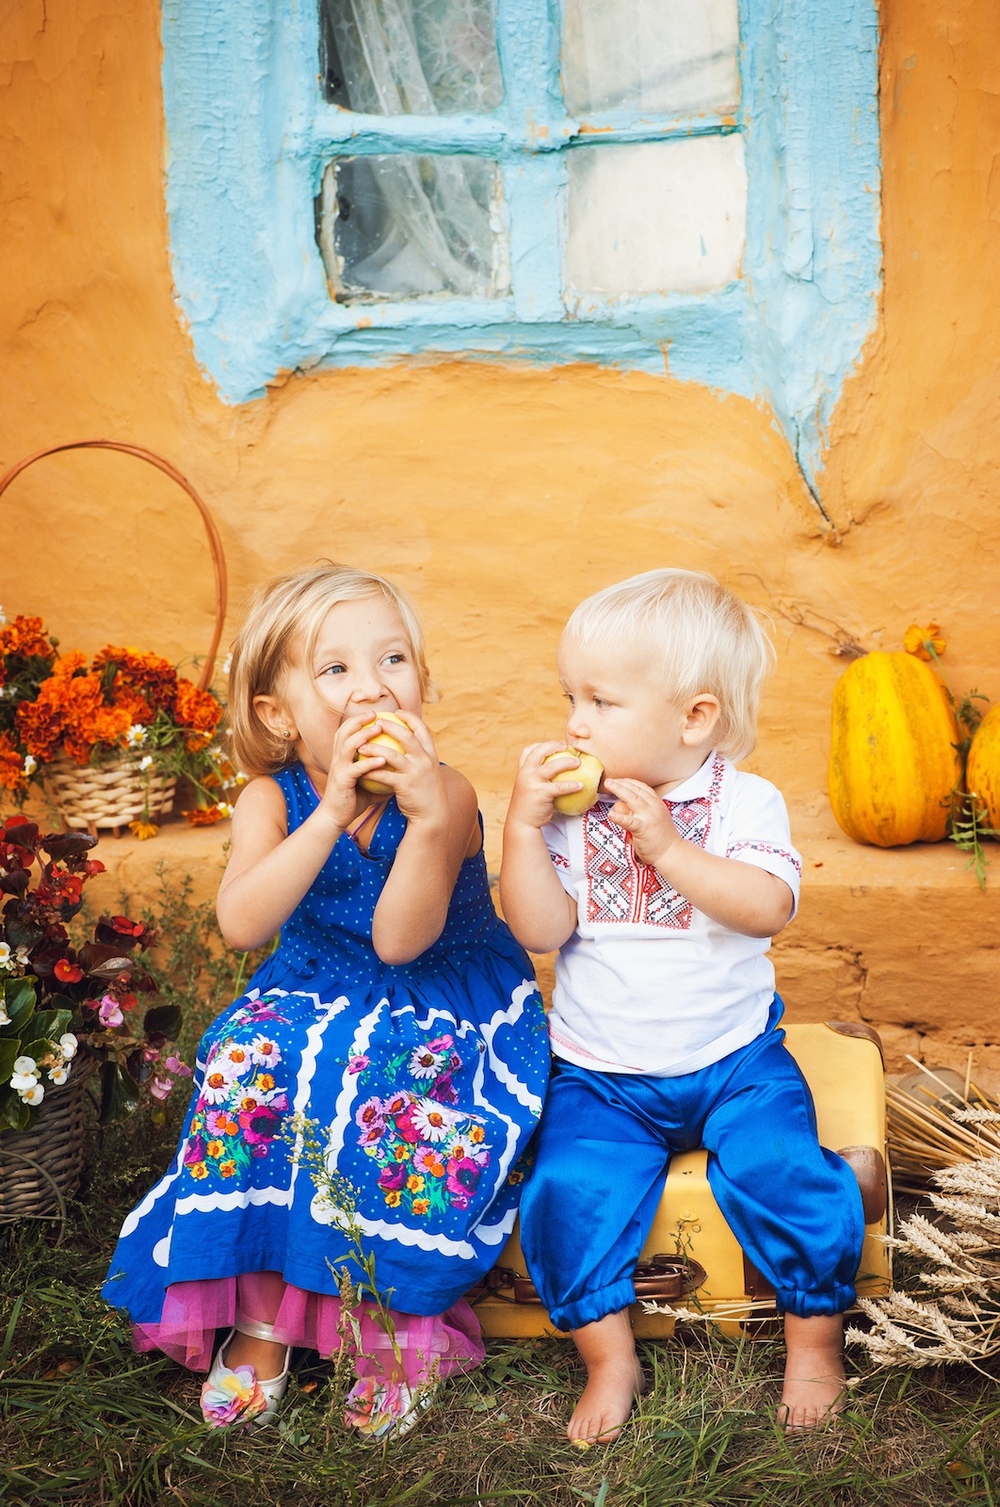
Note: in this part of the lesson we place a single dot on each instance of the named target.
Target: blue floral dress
(422, 1083)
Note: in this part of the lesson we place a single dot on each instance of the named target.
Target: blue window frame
(250, 135)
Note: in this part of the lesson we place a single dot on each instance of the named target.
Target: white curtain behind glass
(420, 224)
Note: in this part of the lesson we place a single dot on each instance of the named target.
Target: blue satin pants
(601, 1155)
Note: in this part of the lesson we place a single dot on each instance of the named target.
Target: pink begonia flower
(110, 1012)
(150, 1054)
(175, 1065)
(161, 1088)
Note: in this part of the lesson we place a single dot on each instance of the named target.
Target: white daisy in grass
(265, 1051)
(432, 1120)
(235, 1058)
(426, 1064)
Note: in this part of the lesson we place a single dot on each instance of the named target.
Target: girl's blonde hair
(698, 635)
(282, 622)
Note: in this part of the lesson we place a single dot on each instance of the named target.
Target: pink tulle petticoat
(192, 1312)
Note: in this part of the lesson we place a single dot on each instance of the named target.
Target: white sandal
(232, 1396)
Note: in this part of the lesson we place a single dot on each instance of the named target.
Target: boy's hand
(643, 814)
(534, 788)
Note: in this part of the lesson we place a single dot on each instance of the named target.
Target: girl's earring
(287, 733)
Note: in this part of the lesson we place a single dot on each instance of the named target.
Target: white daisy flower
(30, 764)
(217, 1087)
(145, 761)
(215, 754)
(424, 1063)
(432, 1120)
(235, 1059)
(33, 1095)
(136, 735)
(227, 664)
(26, 1065)
(68, 1045)
(224, 807)
(265, 1051)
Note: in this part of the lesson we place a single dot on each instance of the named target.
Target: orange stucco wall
(498, 495)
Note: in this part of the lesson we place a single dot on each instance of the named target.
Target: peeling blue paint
(249, 135)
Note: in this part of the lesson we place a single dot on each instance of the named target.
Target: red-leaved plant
(64, 1008)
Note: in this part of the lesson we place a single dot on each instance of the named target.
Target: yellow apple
(369, 782)
(576, 802)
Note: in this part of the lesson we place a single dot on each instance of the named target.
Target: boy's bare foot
(815, 1383)
(614, 1380)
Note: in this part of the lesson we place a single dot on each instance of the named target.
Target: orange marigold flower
(144, 830)
(26, 636)
(12, 776)
(925, 643)
(147, 676)
(205, 816)
(195, 709)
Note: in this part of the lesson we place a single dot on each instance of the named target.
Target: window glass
(410, 57)
(663, 216)
(650, 56)
(403, 225)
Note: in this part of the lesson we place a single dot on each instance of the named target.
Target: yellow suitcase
(843, 1065)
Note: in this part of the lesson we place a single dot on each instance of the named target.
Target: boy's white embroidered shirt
(647, 983)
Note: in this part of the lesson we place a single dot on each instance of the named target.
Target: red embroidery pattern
(766, 847)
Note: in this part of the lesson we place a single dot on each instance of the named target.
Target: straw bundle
(937, 1120)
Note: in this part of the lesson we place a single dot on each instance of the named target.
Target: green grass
(84, 1420)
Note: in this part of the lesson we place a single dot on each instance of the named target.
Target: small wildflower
(146, 761)
(143, 830)
(136, 735)
(925, 643)
(30, 764)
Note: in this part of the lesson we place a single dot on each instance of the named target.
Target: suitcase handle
(661, 1278)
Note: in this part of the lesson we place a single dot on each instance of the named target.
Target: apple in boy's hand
(576, 802)
(369, 782)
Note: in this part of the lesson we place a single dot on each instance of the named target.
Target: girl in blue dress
(397, 1025)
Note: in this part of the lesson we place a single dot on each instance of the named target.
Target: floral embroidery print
(241, 1106)
(430, 1155)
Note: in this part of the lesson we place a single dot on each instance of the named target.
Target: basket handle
(214, 541)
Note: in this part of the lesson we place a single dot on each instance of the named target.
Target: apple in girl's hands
(576, 802)
(368, 782)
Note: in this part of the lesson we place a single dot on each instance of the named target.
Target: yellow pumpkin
(894, 759)
(982, 776)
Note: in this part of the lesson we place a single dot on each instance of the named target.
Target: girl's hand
(538, 784)
(643, 814)
(415, 776)
(340, 798)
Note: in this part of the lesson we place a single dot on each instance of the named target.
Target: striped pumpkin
(982, 776)
(894, 760)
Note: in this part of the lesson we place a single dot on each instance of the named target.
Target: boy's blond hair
(281, 625)
(699, 637)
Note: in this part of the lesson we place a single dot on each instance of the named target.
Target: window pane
(651, 56)
(663, 217)
(401, 226)
(410, 57)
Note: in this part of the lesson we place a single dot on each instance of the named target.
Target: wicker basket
(40, 1167)
(110, 797)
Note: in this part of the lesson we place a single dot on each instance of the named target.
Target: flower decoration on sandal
(231, 1396)
(377, 1408)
